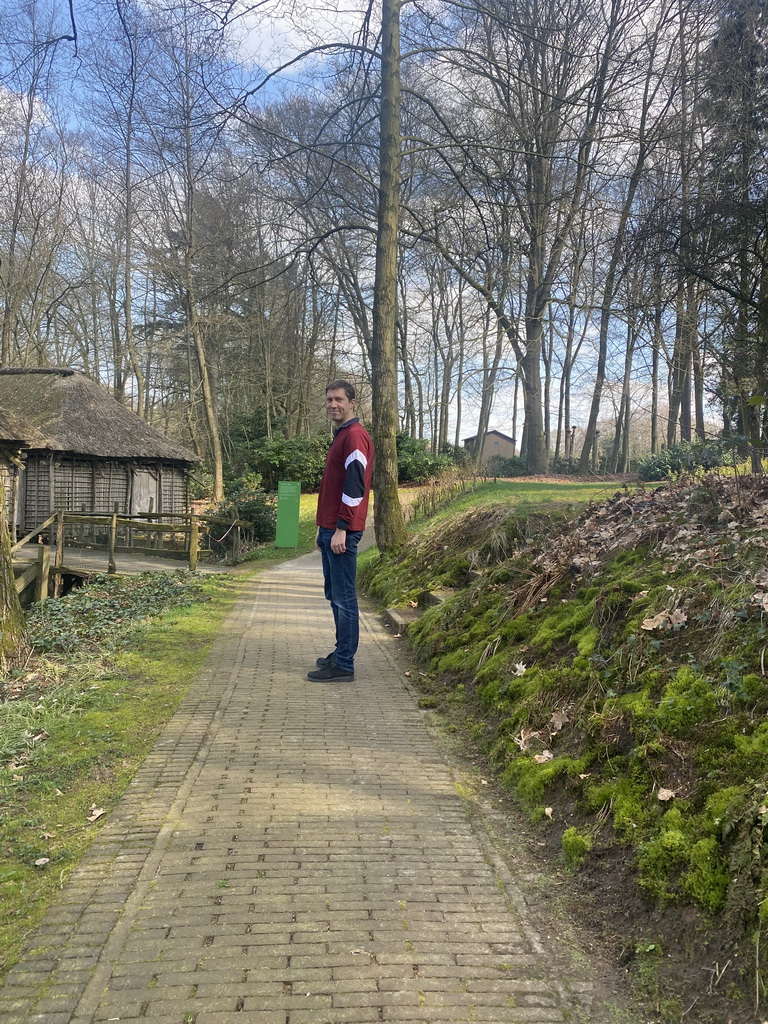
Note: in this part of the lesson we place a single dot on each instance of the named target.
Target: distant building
(67, 445)
(494, 443)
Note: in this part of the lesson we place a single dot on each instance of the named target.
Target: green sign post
(288, 494)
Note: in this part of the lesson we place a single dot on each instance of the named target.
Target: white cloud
(278, 31)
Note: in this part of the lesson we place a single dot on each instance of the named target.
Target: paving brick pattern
(290, 853)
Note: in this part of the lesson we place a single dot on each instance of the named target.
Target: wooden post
(194, 542)
(44, 571)
(58, 561)
(152, 535)
(236, 545)
(112, 565)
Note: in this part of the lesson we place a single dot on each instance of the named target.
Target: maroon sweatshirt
(343, 499)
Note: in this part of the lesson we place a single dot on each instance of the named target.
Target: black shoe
(322, 662)
(331, 673)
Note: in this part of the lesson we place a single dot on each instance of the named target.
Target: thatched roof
(12, 431)
(62, 410)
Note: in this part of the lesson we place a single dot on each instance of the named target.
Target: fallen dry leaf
(545, 755)
(666, 794)
(655, 622)
(527, 735)
(96, 813)
(42, 861)
(665, 620)
(520, 668)
(548, 811)
(558, 720)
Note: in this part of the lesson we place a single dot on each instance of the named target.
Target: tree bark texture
(14, 645)
(389, 520)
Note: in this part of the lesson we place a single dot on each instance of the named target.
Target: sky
(277, 31)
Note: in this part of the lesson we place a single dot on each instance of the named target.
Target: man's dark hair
(337, 385)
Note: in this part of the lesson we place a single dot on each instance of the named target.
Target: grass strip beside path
(87, 737)
(88, 719)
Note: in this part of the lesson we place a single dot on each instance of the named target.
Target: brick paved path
(290, 853)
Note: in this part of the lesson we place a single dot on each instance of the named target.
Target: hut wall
(97, 487)
(162, 487)
(493, 445)
(145, 490)
(111, 487)
(7, 474)
(73, 486)
(173, 489)
(36, 503)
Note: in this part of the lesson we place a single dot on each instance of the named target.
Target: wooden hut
(493, 443)
(67, 445)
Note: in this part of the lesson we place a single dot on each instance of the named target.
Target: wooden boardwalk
(94, 560)
(84, 562)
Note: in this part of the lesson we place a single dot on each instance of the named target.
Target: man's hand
(339, 542)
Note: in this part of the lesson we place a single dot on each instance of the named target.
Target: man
(342, 505)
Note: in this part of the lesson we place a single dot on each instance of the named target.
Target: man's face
(339, 407)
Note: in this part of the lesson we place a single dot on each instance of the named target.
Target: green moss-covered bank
(614, 666)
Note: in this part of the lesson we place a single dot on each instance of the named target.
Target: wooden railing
(169, 534)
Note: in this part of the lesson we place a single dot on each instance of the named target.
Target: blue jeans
(339, 574)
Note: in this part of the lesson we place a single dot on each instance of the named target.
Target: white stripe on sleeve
(356, 456)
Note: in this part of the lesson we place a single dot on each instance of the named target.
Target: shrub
(247, 432)
(294, 458)
(685, 457)
(415, 461)
(564, 467)
(253, 505)
(498, 465)
(456, 454)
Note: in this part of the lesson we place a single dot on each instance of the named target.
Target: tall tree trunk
(389, 520)
(128, 213)
(409, 412)
(14, 645)
(655, 365)
(537, 456)
(680, 385)
(515, 404)
(490, 373)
